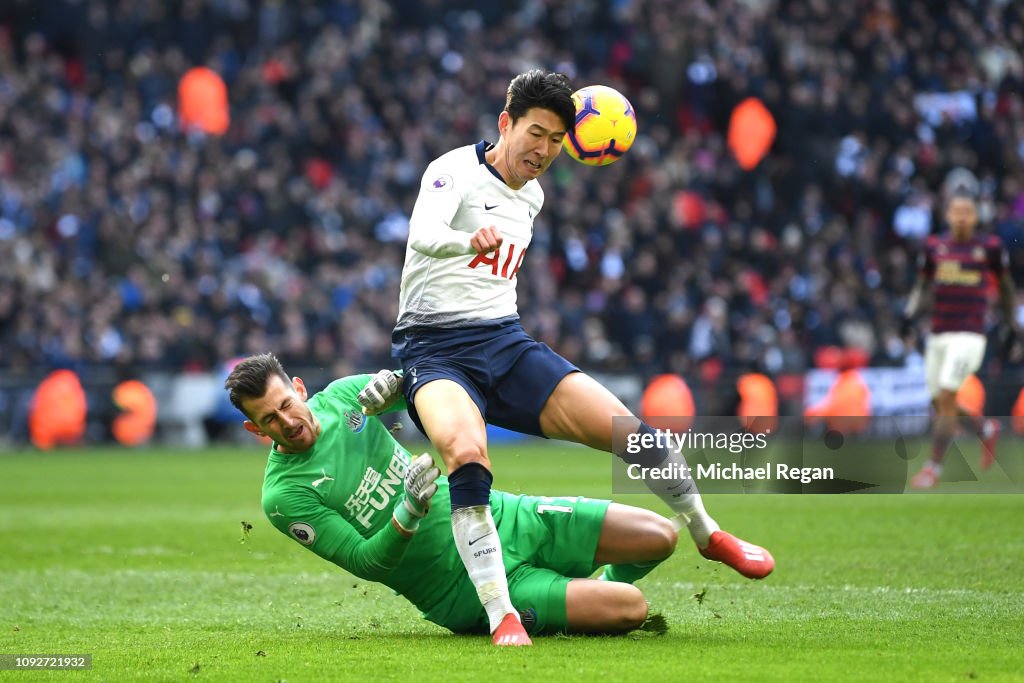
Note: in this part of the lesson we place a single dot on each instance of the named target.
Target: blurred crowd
(126, 240)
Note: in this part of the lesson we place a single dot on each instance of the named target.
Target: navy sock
(470, 485)
(647, 456)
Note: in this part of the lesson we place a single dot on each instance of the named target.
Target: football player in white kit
(467, 360)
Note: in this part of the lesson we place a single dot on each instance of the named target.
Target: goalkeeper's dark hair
(546, 90)
(249, 378)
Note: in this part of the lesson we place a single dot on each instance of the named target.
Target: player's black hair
(961, 192)
(249, 378)
(542, 89)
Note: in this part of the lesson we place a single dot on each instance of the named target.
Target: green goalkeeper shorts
(545, 543)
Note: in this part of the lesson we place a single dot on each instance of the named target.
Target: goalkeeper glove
(381, 392)
(420, 487)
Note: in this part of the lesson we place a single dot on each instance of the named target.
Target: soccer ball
(605, 126)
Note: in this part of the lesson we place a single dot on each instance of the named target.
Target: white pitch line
(847, 588)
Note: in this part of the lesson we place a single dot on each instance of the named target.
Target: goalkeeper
(339, 484)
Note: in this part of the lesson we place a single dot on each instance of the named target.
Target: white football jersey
(445, 283)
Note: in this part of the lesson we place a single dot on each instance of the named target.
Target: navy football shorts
(508, 374)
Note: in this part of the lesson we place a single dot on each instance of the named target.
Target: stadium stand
(129, 241)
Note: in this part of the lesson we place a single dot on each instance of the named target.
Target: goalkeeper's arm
(369, 559)
(333, 538)
(420, 487)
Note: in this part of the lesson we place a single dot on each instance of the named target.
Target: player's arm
(917, 293)
(430, 231)
(304, 518)
(430, 227)
(373, 557)
(1008, 300)
(1012, 335)
(999, 263)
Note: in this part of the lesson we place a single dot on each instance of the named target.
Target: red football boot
(927, 478)
(510, 633)
(752, 561)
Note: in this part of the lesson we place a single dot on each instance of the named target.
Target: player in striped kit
(468, 361)
(958, 267)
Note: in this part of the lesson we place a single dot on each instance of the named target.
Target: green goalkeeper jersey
(337, 499)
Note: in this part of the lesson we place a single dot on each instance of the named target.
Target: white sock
(679, 492)
(477, 540)
(696, 520)
(682, 497)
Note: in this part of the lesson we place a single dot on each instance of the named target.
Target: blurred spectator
(758, 404)
(57, 415)
(847, 406)
(127, 239)
(970, 397)
(1017, 414)
(667, 403)
(137, 411)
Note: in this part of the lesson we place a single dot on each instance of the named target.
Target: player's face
(962, 216)
(282, 414)
(531, 144)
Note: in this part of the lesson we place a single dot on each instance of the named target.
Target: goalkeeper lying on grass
(338, 483)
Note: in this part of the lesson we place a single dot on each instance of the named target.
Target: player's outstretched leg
(582, 410)
(987, 430)
(989, 435)
(558, 604)
(604, 607)
(632, 543)
(680, 494)
(943, 431)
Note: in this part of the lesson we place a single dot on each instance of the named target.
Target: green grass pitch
(138, 559)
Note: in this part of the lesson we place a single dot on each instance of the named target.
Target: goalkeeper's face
(282, 414)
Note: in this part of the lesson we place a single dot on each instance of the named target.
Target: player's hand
(907, 327)
(1010, 340)
(486, 240)
(420, 484)
(381, 392)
